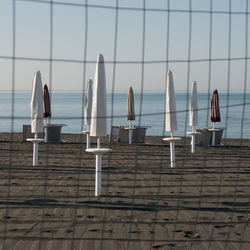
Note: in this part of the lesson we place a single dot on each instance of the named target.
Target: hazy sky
(33, 41)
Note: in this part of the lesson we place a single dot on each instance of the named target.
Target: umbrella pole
(46, 130)
(213, 135)
(88, 139)
(35, 152)
(130, 132)
(193, 141)
(172, 152)
(98, 172)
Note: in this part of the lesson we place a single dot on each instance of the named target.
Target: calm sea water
(67, 109)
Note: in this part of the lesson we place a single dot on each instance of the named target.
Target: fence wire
(201, 204)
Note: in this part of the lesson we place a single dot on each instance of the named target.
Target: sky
(69, 36)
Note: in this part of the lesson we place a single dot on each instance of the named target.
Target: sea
(66, 107)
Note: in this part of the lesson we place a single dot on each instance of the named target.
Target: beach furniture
(98, 126)
(204, 138)
(121, 134)
(193, 116)
(215, 114)
(53, 132)
(130, 113)
(170, 117)
(36, 104)
(87, 110)
(46, 110)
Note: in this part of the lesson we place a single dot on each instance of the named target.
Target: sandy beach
(203, 203)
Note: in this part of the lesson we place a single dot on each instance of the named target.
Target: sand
(203, 203)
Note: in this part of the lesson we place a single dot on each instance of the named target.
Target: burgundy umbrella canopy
(215, 108)
(46, 102)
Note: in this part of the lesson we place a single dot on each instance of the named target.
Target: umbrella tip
(100, 58)
(45, 86)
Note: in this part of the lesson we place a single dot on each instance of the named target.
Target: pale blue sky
(33, 41)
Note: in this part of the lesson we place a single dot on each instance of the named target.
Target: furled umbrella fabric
(215, 108)
(88, 102)
(46, 102)
(193, 114)
(36, 104)
(170, 117)
(130, 105)
(98, 125)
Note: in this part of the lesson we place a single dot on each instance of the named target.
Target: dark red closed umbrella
(215, 108)
(46, 102)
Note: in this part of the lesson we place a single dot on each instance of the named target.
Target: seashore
(204, 202)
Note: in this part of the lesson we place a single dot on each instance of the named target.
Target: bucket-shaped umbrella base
(98, 173)
(35, 142)
(172, 141)
(193, 134)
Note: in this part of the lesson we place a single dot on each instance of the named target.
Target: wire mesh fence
(203, 203)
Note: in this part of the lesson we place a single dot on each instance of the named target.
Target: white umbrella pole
(193, 141)
(172, 152)
(88, 139)
(35, 152)
(213, 135)
(98, 172)
(130, 132)
(46, 130)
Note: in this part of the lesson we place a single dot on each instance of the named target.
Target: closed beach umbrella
(88, 109)
(215, 108)
(98, 125)
(46, 102)
(193, 115)
(36, 105)
(215, 113)
(46, 109)
(130, 105)
(130, 112)
(88, 103)
(170, 116)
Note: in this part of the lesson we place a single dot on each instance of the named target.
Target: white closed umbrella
(193, 115)
(170, 116)
(98, 126)
(36, 104)
(88, 109)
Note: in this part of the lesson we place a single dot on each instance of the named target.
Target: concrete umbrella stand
(36, 104)
(98, 126)
(170, 117)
